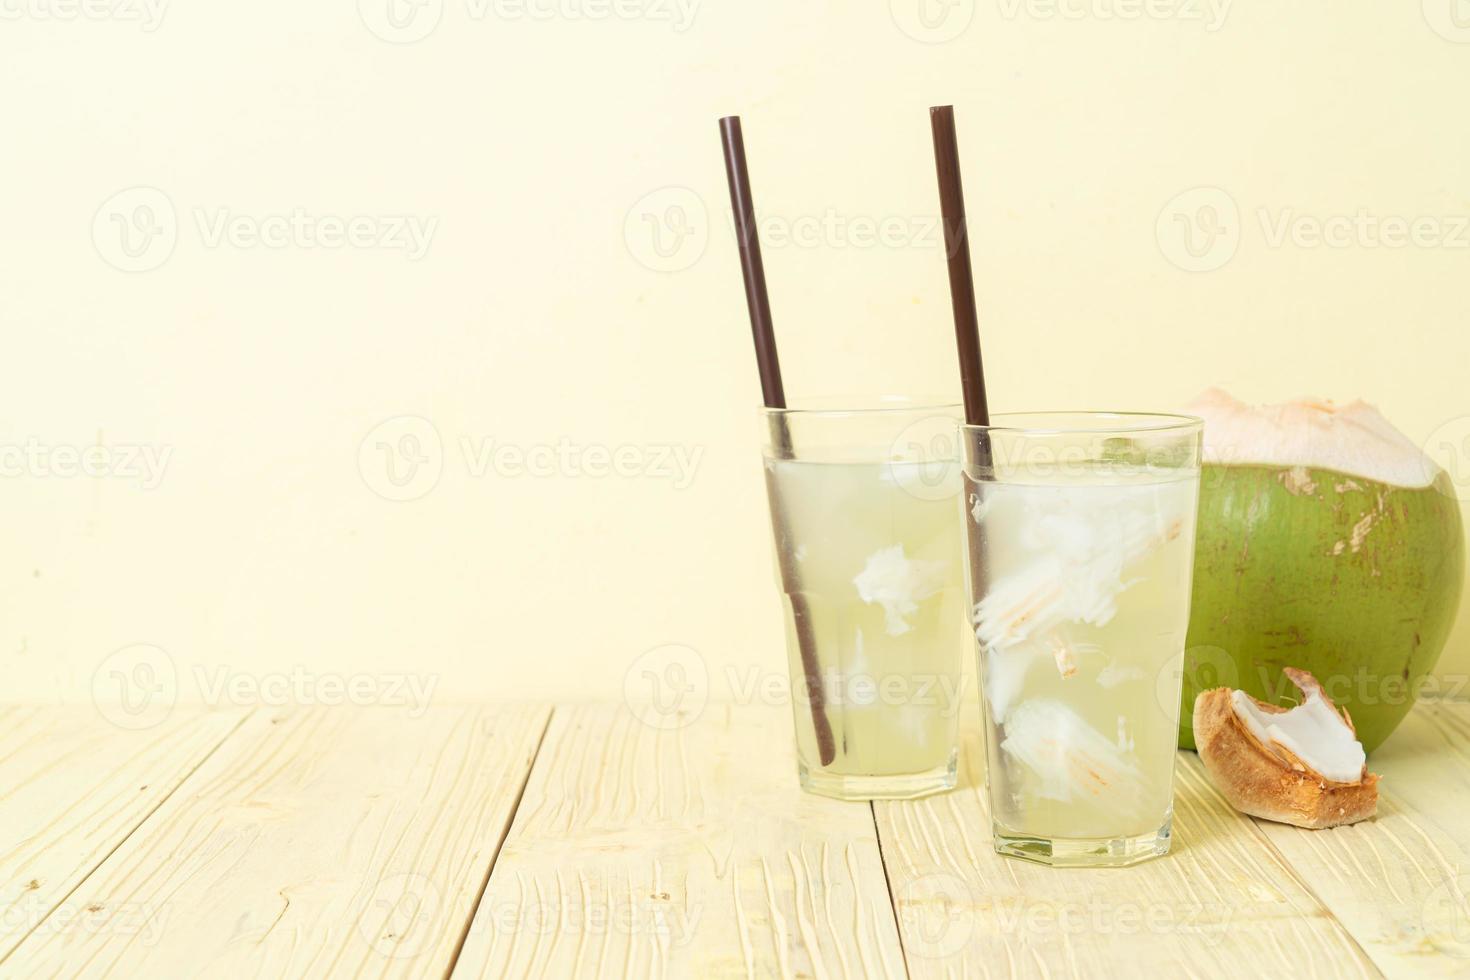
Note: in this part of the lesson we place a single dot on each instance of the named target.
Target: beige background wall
(574, 287)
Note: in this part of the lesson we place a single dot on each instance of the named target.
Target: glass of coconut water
(865, 506)
(1080, 545)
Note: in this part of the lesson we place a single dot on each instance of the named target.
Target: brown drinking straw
(759, 303)
(966, 324)
(961, 279)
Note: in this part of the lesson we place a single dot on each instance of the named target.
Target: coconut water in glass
(865, 511)
(1080, 547)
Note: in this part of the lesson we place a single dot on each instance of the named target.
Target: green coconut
(1327, 542)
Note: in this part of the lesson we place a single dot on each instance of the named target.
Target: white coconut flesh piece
(1303, 765)
(1298, 436)
(1080, 571)
(1068, 758)
(1315, 736)
(898, 584)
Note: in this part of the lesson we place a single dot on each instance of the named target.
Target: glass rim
(1126, 422)
(900, 404)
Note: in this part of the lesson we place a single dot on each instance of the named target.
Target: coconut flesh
(1326, 539)
(1302, 766)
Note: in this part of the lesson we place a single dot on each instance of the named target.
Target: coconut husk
(1270, 781)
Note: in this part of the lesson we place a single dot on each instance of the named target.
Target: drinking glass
(865, 511)
(1080, 546)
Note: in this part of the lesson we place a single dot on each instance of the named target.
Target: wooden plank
(329, 841)
(1400, 883)
(640, 851)
(73, 786)
(1223, 903)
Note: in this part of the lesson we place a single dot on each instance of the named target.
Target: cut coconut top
(1313, 731)
(1353, 439)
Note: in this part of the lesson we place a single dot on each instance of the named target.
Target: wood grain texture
(1223, 903)
(314, 842)
(73, 786)
(1400, 883)
(640, 851)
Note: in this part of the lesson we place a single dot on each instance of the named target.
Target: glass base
(906, 786)
(1083, 852)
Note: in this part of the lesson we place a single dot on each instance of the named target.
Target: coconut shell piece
(1270, 781)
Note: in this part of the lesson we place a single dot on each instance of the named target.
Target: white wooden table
(515, 840)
